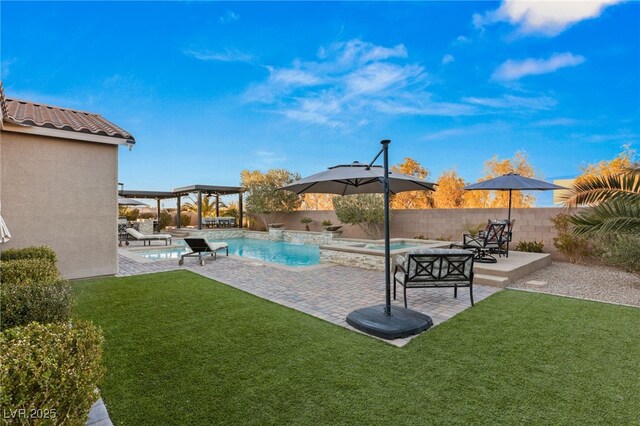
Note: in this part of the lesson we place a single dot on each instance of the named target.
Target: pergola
(178, 193)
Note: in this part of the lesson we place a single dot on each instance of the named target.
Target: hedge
(51, 367)
(41, 252)
(41, 302)
(26, 271)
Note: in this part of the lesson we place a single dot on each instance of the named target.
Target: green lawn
(182, 349)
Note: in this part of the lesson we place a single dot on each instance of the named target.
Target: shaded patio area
(328, 292)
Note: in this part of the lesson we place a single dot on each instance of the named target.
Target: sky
(211, 88)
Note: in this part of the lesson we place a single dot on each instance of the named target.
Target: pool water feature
(269, 251)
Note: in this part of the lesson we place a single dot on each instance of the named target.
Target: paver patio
(328, 292)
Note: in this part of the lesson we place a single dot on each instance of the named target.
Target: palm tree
(613, 204)
(208, 205)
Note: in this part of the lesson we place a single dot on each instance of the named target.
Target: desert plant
(420, 237)
(622, 251)
(54, 367)
(471, 228)
(530, 246)
(573, 246)
(613, 202)
(306, 221)
(208, 205)
(363, 210)
(146, 215)
(39, 252)
(165, 219)
(185, 219)
(326, 222)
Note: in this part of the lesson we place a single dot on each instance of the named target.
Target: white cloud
(543, 17)
(347, 83)
(553, 122)
(514, 70)
(229, 55)
(5, 67)
(269, 158)
(229, 16)
(460, 40)
(514, 102)
(447, 59)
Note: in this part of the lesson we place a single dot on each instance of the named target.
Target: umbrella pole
(387, 243)
(509, 222)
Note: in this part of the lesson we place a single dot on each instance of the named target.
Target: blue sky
(211, 88)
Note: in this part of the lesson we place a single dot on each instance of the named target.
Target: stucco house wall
(62, 193)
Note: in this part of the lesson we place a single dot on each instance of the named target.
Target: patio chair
(200, 247)
(137, 235)
(434, 268)
(486, 243)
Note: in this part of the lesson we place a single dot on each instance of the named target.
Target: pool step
(491, 280)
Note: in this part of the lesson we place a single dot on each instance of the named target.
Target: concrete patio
(328, 292)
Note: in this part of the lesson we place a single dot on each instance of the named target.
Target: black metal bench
(434, 268)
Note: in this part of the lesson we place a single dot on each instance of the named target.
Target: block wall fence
(530, 223)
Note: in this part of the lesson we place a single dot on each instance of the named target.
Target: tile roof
(41, 115)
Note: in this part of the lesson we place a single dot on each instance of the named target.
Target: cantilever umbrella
(360, 178)
(4, 231)
(511, 182)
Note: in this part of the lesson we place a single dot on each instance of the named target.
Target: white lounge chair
(144, 238)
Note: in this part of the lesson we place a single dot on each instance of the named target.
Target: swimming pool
(269, 251)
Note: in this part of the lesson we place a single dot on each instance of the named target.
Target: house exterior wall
(61, 193)
(530, 223)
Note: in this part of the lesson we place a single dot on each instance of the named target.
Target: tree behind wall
(364, 210)
(450, 193)
(262, 198)
(411, 199)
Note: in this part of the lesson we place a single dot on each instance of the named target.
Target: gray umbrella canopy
(513, 182)
(357, 178)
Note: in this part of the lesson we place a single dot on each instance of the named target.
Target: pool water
(269, 251)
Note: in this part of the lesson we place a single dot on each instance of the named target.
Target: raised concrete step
(491, 280)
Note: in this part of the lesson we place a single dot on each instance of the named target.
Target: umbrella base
(401, 323)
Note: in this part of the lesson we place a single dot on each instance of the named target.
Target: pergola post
(199, 209)
(217, 205)
(158, 217)
(240, 209)
(178, 214)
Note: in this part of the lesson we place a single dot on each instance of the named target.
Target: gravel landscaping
(584, 281)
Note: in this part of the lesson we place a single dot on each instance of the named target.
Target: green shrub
(165, 219)
(51, 367)
(326, 222)
(363, 210)
(573, 246)
(44, 303)
(622, 251)
(130, 214)
(146, 216)
(41, 252)
(420, 237)
(26, 271)
(530, 246)
(185, 219)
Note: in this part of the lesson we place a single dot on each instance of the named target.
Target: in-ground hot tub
(369, 254)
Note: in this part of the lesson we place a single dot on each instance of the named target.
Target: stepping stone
(537, 284)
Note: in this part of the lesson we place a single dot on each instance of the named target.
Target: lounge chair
(200, 247)
(486, 243)
(148, 238)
